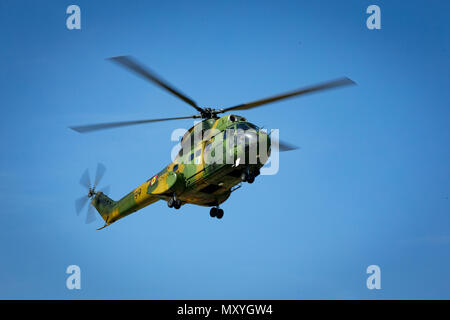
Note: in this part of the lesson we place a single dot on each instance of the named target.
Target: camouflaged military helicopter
(189, 179)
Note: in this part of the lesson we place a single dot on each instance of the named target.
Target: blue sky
(370, 184)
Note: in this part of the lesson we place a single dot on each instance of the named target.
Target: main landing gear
(174, 202)
(216, 212)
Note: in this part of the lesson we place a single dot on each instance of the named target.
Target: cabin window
(208, 147)
(191, 157)
(197, 156)
(175, 168)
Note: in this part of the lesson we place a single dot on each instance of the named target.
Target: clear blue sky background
(369, 186)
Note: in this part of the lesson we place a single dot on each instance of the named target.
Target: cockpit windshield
(242, 126)
(253, 126)
(247, 126)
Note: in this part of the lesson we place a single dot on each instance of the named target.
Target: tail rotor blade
(80, 203)
(90, 214)
(85, 181)
(99, 174)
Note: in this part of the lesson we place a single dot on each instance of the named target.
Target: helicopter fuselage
(216, 155)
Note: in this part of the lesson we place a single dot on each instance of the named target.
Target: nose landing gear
(249, 176)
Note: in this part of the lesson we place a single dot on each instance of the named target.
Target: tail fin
(105, 206)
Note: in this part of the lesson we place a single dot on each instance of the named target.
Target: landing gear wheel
(219, 214)
(177, 204)
(248, 176)
(170, 203)
(213, 212)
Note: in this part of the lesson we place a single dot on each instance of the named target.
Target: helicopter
(199, 174)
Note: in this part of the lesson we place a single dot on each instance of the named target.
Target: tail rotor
(85, 181)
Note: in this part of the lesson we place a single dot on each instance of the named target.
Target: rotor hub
(91, 192)
(209, 113)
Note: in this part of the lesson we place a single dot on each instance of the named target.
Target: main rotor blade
(90, 217)
(109, 125)
(284, 146)
(99, 174)
(319, 87)
(85, 181)
(133, 65)
(105, 190)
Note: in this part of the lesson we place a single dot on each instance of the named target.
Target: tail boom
(111, 210)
